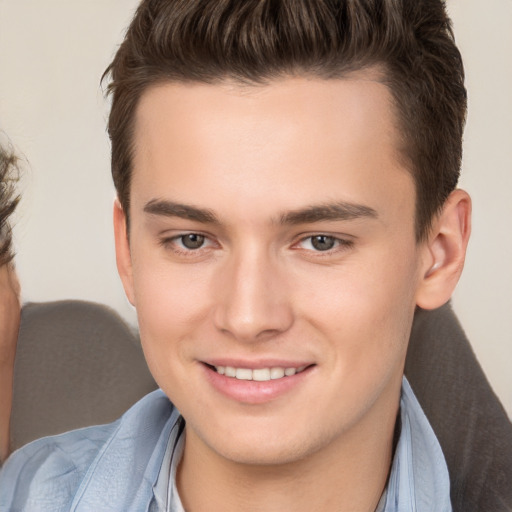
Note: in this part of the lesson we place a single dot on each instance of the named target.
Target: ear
(445, 251)
(123, 255)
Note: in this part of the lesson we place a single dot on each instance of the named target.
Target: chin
(262, 445)
(277, 454)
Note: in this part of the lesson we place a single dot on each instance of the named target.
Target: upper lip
(257, 364)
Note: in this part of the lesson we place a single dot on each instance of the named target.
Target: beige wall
(52, 54)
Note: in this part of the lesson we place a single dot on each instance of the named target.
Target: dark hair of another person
(8, 202)
(409, 43)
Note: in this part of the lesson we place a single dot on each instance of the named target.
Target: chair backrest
(77, 364)
(467, 417)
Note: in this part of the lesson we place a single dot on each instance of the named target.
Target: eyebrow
(183, 211)
(309, 215)
(331, 211)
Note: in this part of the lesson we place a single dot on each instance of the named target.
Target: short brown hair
(8, 202)
(255, 41)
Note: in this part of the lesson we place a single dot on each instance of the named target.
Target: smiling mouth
(259, 374)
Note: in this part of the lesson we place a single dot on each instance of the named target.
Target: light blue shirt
(130, 465)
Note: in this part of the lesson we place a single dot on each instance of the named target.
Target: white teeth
(243, 374)
(230, 371)
(259, 374)
(276, 373)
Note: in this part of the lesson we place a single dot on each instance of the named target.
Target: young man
(9, 295)
(286, 177)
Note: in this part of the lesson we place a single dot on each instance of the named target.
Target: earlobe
(123, 255)
(445, 251)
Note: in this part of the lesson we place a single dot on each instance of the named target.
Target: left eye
(321, 243)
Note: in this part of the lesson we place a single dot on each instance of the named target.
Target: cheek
(366, 306)
(171, 308)
(167, 294)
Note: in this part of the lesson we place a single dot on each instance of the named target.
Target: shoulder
(48, 473)
(50, 469)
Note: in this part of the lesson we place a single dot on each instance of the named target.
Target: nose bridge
(252, 302)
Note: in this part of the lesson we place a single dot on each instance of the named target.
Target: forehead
(286, 105)
(297, 140)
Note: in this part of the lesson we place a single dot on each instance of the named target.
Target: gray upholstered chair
(79, 364)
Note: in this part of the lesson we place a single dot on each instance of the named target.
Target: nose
(252, 301)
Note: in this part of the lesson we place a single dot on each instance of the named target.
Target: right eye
(191, 241)
(187, 244)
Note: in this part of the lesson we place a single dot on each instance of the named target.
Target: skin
(255, 167)
(9, 325)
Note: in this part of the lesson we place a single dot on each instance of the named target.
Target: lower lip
(254, 392)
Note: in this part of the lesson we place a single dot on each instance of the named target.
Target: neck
(348, 476)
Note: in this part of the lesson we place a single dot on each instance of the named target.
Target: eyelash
(170, 243)
(341, 244)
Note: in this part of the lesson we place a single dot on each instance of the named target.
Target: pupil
(322, 242)
(192, 241)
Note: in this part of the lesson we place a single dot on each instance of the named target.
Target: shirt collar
(166, 496)
(419, 479)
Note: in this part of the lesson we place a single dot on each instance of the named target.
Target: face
(272, 261)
